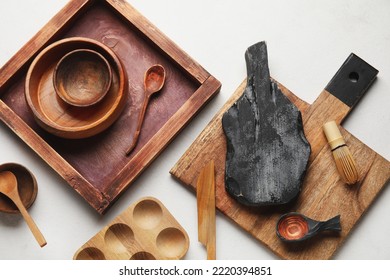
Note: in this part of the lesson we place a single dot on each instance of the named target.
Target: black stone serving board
(267, 151)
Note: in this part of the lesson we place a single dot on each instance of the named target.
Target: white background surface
(307, 43)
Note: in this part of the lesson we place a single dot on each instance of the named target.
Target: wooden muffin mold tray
(145, 231)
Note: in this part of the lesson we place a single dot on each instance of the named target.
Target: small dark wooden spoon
(9, 187)
(154, 80)
(295, 227)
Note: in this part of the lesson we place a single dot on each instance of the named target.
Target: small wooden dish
(145, 231)
(82, 78)
(60, 118)
(27, 187)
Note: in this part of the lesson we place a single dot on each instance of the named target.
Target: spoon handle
(30, 222)
(139, 125)
(331, 224)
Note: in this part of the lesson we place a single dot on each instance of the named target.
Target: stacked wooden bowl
(60, 116)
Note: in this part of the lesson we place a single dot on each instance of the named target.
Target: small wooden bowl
(56, 116)
(82, 77)
(27, 187)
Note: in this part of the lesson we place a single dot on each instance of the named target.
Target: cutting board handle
(352, 80)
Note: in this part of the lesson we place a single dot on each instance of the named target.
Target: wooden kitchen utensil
(295, 227)
(58, 117)
(342, 155)
(82, 77)
(205, 194)
(9, 187)
(323, 194)
(154, 80)
(27, 187)
(144, 231)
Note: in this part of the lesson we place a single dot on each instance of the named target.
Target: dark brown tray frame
(15, 69)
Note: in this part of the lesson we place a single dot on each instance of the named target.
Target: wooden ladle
(154, 80)
(9, 187)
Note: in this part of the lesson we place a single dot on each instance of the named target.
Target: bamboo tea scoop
(205, 193)
(9, 187)
(154, 80)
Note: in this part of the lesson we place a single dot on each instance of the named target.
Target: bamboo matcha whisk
(345, 163)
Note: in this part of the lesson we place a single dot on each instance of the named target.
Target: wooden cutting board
(323, 194)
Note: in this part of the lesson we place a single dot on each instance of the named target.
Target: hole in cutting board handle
(352, 80)
(353, 77)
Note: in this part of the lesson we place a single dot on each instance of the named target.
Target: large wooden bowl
(60, 118)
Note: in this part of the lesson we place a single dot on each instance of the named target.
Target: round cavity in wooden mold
(142, 256)
(172, 243)
(90, 253)
(293, 227)
(147, 214)
(119, 238)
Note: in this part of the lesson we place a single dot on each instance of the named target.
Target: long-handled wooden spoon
(154, 80)
(9, 187)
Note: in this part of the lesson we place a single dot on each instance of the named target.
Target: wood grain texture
(154, 80)
(9, 71)
(82, 78)
(27, 187)
(323, 194)
(9, 187)
(56, 116)
(117, 25)
(205, 195)
(153, 34)
(146, 230)
(59, 164)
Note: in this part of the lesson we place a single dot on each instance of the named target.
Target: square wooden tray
(97, 168)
